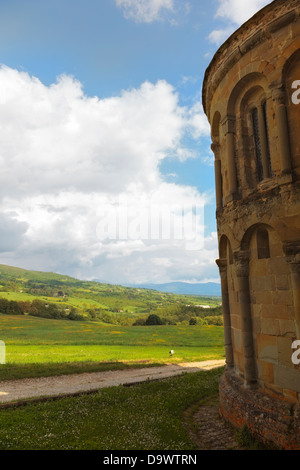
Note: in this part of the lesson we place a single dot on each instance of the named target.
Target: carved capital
(241, 261)
(229, 125)
(222, 265)
(278, 94)
(215, 146)
(292, 252)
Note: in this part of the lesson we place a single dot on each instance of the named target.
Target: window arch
(251, 104)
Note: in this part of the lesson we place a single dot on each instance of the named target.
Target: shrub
(139, 322)
(154, 320)
(214, 320)
(73, 315)
(10, 307)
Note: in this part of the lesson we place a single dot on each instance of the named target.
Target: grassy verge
(148, 416)
(26, 371)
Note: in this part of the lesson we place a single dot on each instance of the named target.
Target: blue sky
(101, 109)
(93, 41)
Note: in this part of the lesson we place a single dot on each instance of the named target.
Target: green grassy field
(148, 416)
(37, 346)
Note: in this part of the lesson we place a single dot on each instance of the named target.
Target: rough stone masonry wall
(274, 421)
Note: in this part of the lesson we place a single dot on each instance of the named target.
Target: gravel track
(14, 391)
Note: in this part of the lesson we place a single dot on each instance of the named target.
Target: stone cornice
(222, 62)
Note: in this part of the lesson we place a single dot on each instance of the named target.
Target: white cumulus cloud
(235, 13)
(71, 164)
(239, 11)
(146, 11)
(56, 138)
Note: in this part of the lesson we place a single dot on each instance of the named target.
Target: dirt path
(15, 391)
(207, 430)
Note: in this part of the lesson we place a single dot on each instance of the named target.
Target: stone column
(230, 139)
(222, 264)
(218, 175)
(241, 260)
(278, 96)
(229, 131)
(263, 142)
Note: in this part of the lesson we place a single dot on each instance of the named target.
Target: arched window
(257, 141)
(261, 140)
(269, 165)
(263, 244)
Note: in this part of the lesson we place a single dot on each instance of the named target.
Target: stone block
(278, 266)
(267, 348)
(265, 372)
(276, 250)
(270, 326)
(287, 378)
(237, 340)
(275, 311)
(262, 283)
(259, 268)
(287, 328)
(283, 298)
(282, 282)
(264, 297)
(256, 326)
(285, 351)
(235, 322)
(256, 310)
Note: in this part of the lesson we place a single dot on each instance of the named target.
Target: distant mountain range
(21, 276)
(209, 288)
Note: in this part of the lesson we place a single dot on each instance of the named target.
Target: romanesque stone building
(251, 100)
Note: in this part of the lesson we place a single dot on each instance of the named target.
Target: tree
(154, 320)
(73, 315)
(10, 307)
(4, 305)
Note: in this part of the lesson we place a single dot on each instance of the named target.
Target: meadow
(37, 346)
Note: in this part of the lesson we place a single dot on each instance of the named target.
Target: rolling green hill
(59, 296)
